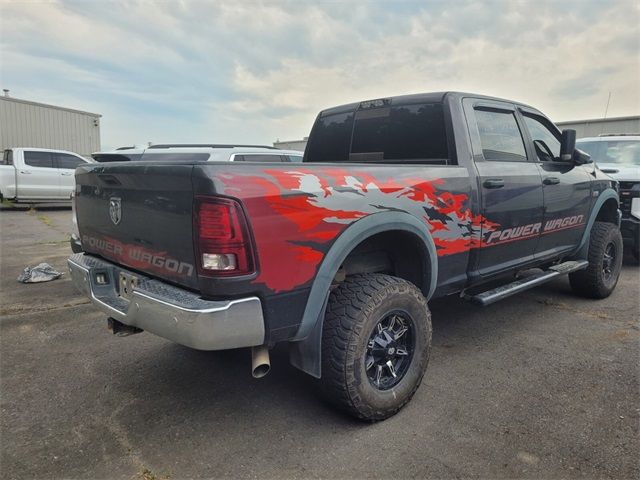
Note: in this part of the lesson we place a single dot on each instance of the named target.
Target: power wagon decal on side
(533, 229)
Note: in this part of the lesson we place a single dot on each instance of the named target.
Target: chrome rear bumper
(167, 311)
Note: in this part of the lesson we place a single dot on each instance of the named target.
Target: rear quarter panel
(297, 211)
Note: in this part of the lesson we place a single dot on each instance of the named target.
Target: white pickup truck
(38, 174)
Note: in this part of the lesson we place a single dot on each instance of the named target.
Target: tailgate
(139, 216)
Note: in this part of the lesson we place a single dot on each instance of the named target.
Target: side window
(295, 158)
(69, 161)
(546, 143)
(262, 158)
(500, 136)
(38, 159)
(7, 158)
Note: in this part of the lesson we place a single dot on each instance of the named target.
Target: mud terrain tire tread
(590, 282)
(350, 311)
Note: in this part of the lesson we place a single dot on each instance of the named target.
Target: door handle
(65, 174)
(493, 183)
(551, 181)
(25, 172)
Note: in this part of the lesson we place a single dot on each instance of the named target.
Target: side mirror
(581, 158)
(567, 145)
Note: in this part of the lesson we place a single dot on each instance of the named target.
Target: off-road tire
(354, 310)
(592, 282)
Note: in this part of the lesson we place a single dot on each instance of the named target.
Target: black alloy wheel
(390, 350)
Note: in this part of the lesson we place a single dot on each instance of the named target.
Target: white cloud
(255, 71)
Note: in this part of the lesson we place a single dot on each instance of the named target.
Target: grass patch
(147, 474)
(44, 219)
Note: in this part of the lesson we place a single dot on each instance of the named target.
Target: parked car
(38, 174)
(619, 157)
(199, 152)
(398, 201)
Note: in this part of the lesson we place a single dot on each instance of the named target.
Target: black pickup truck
(398, 201)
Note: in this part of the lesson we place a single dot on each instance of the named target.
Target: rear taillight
(221, 238)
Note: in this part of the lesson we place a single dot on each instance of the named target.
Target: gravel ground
(541, 385)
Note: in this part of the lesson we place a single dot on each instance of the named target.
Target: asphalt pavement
(541, 385)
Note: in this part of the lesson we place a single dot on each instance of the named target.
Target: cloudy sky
(255, 71)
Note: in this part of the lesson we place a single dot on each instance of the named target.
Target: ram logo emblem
(115, 209)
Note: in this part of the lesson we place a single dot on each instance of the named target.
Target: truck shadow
(39, 207)
(168, 385)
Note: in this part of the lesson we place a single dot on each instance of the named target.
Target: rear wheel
(600, 278)
(375, 345)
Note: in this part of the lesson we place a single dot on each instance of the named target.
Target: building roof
(46, 105)
(593, 120)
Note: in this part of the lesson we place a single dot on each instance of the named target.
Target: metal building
(299, 145)
(602, 126)
(31, 124)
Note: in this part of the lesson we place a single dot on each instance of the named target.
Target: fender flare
(607, 194)
(305, 345)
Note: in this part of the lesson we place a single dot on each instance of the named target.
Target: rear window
(255, 157)
(151, 157)
(175, 157)
(116, 157)
(388, 134)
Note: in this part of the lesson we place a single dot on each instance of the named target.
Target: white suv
(202, 152)
(619, 157)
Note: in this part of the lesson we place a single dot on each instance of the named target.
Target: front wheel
(600, 278)
(376, 342)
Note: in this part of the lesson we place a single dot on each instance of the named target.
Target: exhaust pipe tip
(261, 370)
(260, 363)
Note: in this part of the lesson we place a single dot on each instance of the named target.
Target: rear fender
(306, 345)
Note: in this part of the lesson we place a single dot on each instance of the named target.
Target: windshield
(623, 152)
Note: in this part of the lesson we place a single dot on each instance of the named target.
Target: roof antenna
(606, 109)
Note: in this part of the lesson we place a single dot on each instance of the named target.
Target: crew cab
(38, 174)
(619, 157)
(398, 201)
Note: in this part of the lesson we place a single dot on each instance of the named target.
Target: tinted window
(38, 159)
(7, 158)
(69, 161)
(500, 136)
(116, 157)
(258, 158)
(546, 143)
(331, 138)
(402, 133)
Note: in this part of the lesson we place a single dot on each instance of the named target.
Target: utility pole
(606, 109)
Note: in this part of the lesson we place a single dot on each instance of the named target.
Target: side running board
(504, 291)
